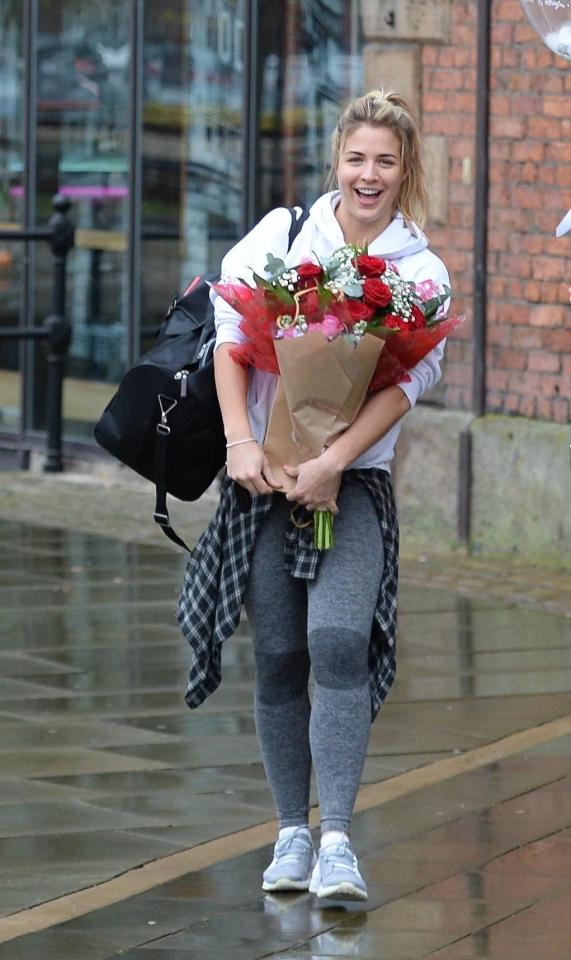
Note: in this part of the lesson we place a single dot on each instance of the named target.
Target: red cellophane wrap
(259, 310)
(403, 350)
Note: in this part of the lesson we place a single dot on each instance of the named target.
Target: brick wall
(528, 316)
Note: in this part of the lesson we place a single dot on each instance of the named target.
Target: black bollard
(59, 332)
(59, 339)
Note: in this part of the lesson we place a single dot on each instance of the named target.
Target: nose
(369, 171)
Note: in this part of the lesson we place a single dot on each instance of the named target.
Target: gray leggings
(325, 625)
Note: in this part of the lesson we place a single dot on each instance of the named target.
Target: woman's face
(369, 175)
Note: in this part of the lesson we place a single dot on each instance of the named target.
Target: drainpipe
(480, 274)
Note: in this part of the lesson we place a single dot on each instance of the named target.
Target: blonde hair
(393, 111)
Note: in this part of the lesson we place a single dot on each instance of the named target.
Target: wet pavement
(103, 769)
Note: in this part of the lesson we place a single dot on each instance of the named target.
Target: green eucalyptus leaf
(274, 266)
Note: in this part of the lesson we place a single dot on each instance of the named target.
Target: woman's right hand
(247, 464)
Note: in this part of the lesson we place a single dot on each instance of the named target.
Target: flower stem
(323, 530)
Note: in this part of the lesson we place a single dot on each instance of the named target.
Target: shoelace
(330, 859)
(282, 848)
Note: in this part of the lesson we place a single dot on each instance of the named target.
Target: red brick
(499, 335)
(510, 359)
(544, 128)
(554, 386)
(526, 338)
(497, 379)
(429, 54)
(528, 197)
(532, 291)
(502, 34)
(523, 33)
(547, 316)
(544, 409)
(434, 102)
(528, 150)
(500, 150)
(549, 268)
(557, 340)
(526, 382)
(508, 10)
(551, 83)
(550, 293)
(544, 362)
(556, 107)
(563, 176)
(515, 266)
(447, 80)
(512, 127)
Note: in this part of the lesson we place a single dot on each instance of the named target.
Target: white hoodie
(321, 235)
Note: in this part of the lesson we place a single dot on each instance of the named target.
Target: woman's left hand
(317, 484)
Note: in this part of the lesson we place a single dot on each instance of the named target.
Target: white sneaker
(294, 859)
(336, 874)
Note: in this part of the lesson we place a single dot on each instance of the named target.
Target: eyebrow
(358, 153)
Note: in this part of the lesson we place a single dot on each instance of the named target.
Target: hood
(398, 240)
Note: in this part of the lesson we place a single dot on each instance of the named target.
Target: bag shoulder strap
(297, 222)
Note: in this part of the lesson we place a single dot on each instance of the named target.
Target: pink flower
(427, 289)
(330, 326)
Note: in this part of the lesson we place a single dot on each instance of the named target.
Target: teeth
(368, 193)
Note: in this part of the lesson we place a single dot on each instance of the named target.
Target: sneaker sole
(341, 891)
(284, 885)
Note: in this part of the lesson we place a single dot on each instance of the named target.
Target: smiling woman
(304, 608)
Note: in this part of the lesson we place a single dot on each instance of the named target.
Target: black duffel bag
(164, 420)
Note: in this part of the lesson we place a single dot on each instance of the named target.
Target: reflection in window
(308, 67)
(11, 198)
(192, 142)
(82, 147)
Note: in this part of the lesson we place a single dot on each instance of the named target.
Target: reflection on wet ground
(103, 768)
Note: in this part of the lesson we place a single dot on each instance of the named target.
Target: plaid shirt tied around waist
(217, 572)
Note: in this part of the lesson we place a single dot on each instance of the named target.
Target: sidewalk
(463, 823)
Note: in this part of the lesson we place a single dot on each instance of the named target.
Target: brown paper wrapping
(323, 385)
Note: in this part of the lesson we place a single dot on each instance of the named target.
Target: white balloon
(552, 21)
(565, 225)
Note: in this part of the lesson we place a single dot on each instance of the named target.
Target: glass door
(11, 199)
(192, 144)
(82, 107)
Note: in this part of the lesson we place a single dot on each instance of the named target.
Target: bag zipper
(182, 375)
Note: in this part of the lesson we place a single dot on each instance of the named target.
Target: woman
(335, 611)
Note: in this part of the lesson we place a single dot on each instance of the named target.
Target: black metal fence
(56, 330)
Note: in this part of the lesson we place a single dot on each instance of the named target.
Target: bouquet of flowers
(334, 331)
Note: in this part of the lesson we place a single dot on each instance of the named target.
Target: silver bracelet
(236, 443)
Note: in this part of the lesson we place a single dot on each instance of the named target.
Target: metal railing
(56, 330)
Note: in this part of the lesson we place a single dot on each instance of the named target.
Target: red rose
(309, 273)
(376, 293)
(370, 266)
(359, 311)
(396, 323)
(418, 319)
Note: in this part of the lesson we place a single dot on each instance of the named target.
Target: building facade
(172, 127)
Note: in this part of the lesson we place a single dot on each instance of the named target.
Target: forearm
(376, 418)
(232, 390)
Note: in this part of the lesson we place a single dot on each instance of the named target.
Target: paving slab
(104, 769)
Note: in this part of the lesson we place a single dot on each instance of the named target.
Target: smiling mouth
(367, 193)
